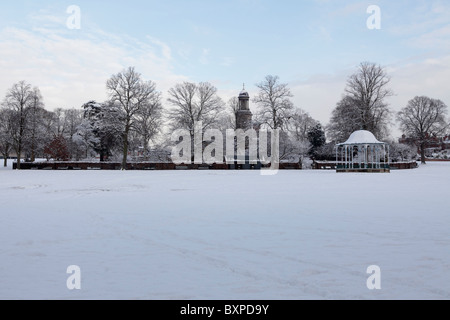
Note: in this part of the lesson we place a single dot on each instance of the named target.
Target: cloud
(71, 67)
(421, 21)
(166, 51)
(427, 76)
(438, 38)
(319, 94)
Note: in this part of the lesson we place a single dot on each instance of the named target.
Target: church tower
(244, 115)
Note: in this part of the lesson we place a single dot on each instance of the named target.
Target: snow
(362, 137)
(225, 234)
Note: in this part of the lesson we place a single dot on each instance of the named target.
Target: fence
(144, 166)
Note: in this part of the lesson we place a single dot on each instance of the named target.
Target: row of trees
(133, 117)
(363, 106)
(26, 127)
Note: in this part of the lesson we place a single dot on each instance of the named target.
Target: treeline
(136, 121)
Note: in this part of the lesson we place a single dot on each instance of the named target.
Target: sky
(312, 45)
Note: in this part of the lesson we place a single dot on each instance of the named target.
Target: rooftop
(362, 137)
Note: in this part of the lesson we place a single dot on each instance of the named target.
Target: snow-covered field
(225, 235)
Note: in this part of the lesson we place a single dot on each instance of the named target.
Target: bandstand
(362, 152)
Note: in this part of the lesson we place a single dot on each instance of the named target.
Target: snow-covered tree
(294, 144)
(129, 94)
(344, 120)
(35, 142)
(364, 106)
(316, 137)
(291, 149)
(326, 152)
(5, 134)
(422, 119)
(402, 152)
(194, 103)
(19, 99)
(300, 123)
(100, 130)
(85, 139)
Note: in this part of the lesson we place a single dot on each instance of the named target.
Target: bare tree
(299, 124)
(72, 120)
(6, 124)
(129, 93)
(149, 121)
(35, 123)
(363, 106)
(194, 103)
(58, 123)
(274, 102)
(422, 119)
(18, 99)
(50, 122)
(368, 88)
(233, 107)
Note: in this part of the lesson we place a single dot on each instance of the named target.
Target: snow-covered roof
(244, 93)
(361, 137)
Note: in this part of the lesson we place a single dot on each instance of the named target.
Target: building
(244, 117)
(432, 144)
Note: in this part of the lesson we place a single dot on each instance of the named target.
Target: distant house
(433, 143)
(446, 143)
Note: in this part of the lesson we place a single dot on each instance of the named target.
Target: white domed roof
(362, 137)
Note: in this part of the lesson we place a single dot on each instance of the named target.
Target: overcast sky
(311, 45)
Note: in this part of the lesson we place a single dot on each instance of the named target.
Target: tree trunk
(192, 148)
(21, 132)
(33, 153)
(422, 152)
(19, 151)
(5, 160)
(33, 140)
(125, 148)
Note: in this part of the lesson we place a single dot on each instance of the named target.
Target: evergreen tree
(316, 137)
